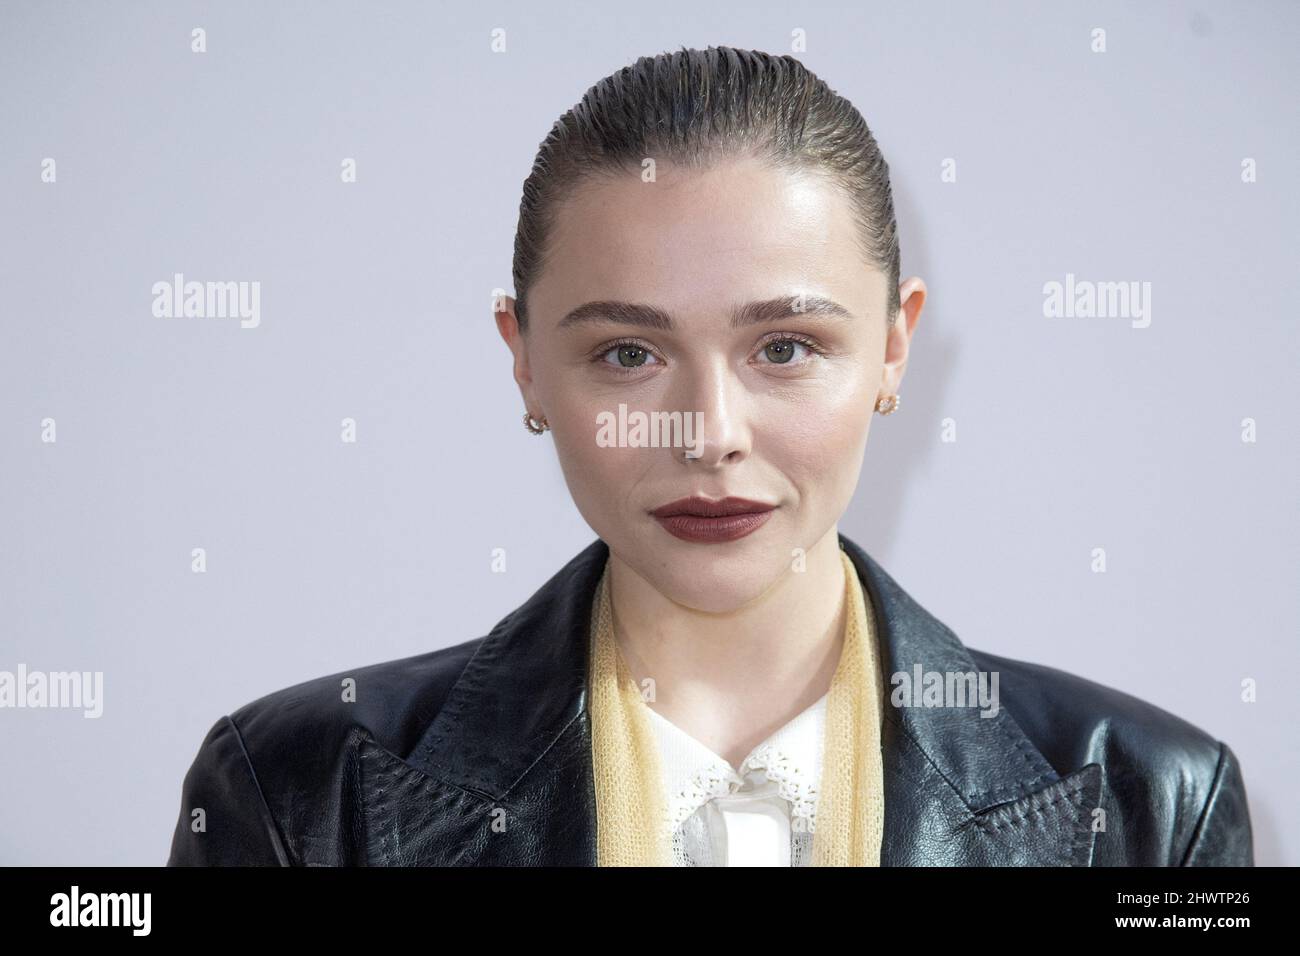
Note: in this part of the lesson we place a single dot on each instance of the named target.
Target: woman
(708, 313)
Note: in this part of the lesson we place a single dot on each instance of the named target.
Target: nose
(723, 436)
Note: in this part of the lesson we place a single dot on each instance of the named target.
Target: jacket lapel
(503, 775)
(962, 789)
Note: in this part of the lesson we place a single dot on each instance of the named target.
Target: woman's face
(785, 397)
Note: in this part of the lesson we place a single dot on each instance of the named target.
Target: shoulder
(1071, 718)
(1165, 778)
(273, 780)
(393, 700)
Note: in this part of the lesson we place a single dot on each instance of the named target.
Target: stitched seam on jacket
(1013, 792)
(1021, 743)
(1199, 829)
(388, 775)
(268, 818)
(1018, 817)
(1030, 756)
(469, 678)
(1072, 794)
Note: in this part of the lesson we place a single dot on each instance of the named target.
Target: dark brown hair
(694, 107)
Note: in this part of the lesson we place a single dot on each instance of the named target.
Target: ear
(503, 311)
(898, 342)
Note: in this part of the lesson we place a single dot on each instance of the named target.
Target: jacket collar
(503, 775)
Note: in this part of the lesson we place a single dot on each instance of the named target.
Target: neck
(730, 679)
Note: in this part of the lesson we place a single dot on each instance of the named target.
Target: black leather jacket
(479, 754)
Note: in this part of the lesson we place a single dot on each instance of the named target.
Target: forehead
(740, 230)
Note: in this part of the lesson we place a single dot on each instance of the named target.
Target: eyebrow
(751, 313)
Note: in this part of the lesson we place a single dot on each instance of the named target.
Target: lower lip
(712, 530)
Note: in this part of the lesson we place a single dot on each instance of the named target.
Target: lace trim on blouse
(796, 778)
(794, 783)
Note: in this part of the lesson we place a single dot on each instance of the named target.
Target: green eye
(780, 351)
(631, 356)
(626, 355)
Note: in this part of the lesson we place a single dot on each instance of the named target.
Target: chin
(716, 578)
(721, 598)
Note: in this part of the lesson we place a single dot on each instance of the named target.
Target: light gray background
(322, 556)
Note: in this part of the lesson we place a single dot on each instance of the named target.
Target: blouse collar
(791, 757)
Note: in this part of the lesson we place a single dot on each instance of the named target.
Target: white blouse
(761, 814)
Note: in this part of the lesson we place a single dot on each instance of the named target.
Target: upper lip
(707, 508)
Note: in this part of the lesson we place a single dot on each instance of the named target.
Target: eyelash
(810, 343)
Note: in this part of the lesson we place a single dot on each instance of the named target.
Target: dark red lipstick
(708, 521)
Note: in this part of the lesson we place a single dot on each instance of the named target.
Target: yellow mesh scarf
(631, 820)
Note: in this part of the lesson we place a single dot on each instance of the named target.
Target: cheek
(820, 437)
(590, 469)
